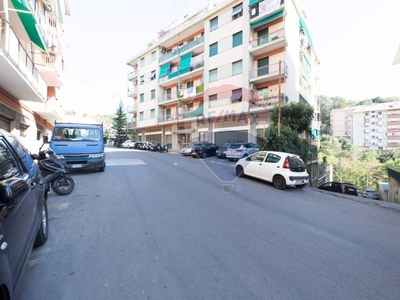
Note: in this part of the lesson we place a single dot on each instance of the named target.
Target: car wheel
(300, 186)
(279, 182)
(204, 155)
(239, 171)
(43, 232)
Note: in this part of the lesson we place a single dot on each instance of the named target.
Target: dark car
(339, 187)
(203, 150)
(23, 211)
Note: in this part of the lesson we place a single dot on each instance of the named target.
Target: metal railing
(16, 53)
(272, 69)
(177, 51)
(268, 38)
(175, 71)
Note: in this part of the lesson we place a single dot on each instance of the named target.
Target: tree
(288, 141)
(119, 125)
(297, 116)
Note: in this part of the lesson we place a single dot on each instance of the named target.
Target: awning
(236, 95)
(267, 19)
(253, 2)
(237, 9)
(303, 27)
(184, 65)
(28, 20)
(164, 70)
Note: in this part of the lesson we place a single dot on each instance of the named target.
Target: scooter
(162, 148)
(54, 173)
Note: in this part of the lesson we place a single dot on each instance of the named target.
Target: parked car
(23, 210)
(371, 194)
(203, 150)
(240, 150)
(187, 150)
(339, 187)
(280, 168)
(128, 144)
(221, 152)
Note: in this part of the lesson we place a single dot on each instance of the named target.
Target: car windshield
(76, 134)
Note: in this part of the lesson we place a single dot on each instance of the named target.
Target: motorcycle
(162, 148)
(54, 173)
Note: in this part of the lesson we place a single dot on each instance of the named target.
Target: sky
(355, 41)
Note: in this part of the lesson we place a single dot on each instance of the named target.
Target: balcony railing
(132, 91)
(132, 74)
(195, 113)
(167, 118)
(182, 49)
(272, 70)
(16, 53)
(268, 38)
(184, 94)
(176, 73)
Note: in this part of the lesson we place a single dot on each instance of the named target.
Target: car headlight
(97, 155)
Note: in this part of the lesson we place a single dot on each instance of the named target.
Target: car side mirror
(11, 191)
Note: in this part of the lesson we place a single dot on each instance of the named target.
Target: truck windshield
(76, 134)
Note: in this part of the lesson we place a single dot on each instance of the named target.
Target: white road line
(124, 162)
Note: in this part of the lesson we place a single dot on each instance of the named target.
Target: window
(214, 24)
(153, 56)
(189, 84)
(141, 116)
(212, 97)
(141, 96)
(213, 49)
(236, 95)
(237, 11)
(152, 113)
(153, 75)
(153, 94)
(142, 79)
(142, 62)
(23, 129)
(237, 67)
(168, 92)
(8, 165)
(213, 75)
(237, 39)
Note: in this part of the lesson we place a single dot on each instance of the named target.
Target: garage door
(153, 138)
(5, 124)
(225, 136)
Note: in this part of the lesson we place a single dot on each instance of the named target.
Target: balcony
(132, 108)
(181, 50)
(262, 99)
(269, 73)
(176, 74)
(51, 110)
(167, 118)
(49, 67)
(132, 92)
(132, 75)
(131, 125)
(19, 76)
(269, 42)
(183, 95)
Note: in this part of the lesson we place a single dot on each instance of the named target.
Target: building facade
(31, 67)
(375, 127)
(216, 75)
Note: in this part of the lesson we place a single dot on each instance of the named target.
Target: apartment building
(31, 67)
(217, 74)
(375, 127)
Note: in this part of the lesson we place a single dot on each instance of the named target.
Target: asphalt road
(162, 226)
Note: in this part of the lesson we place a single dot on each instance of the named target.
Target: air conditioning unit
(163, 50)
(251, 86)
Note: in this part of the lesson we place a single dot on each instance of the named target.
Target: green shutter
(267, 19)
(303, 27)
(184, 65)
(253, 2)
(28, 20)
(164, 70)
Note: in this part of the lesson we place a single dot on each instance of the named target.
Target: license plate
(76, 166)
(299, 181)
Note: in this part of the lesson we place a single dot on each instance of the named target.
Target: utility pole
(279, 101)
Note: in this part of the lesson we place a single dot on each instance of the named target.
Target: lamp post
(279, 101)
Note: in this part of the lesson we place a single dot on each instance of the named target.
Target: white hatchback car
(280, 168)
(128, 144)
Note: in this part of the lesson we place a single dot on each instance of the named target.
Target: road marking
(124, 162)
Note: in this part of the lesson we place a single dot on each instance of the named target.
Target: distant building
(375, 126)
(217, 74)
(31, 67)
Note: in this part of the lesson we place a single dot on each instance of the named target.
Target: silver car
(187, 150)
(371, 194)
(240, 150)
